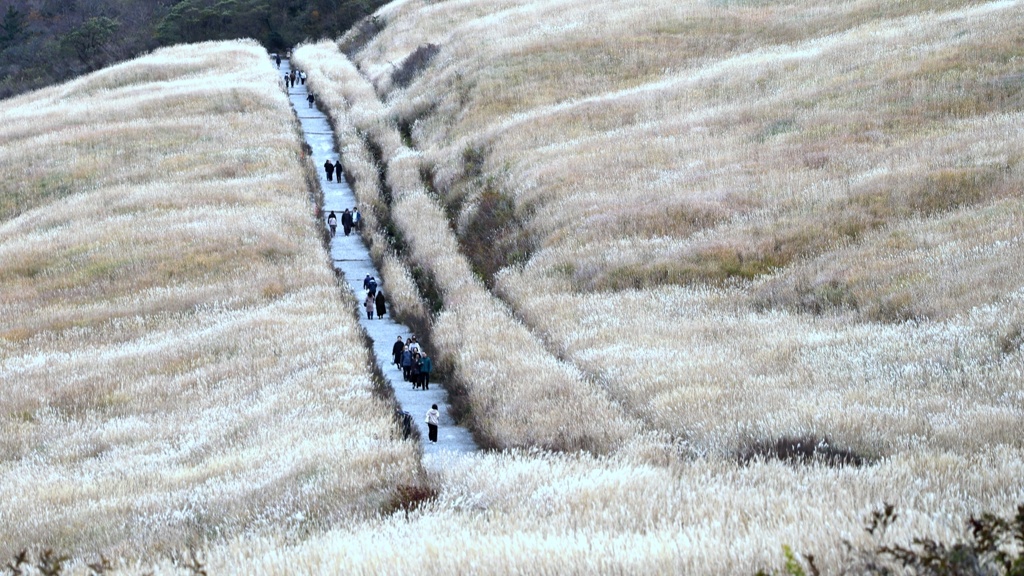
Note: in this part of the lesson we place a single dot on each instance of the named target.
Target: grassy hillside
(742, 223)
(819, 203)
(675, 245)
(176, 364)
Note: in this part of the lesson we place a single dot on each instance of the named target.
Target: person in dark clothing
(381, 305)
(426, 367)
(346, 221)
(406, 419)
(329, 169)
(337, 169)
(310, 98)
(366, 282)
(332, 221)
(277, 59)
(396, 351)
(406, 363)
(291, 76)
(414, 371)
(371, 286)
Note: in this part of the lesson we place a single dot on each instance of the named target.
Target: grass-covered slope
(712, 141)
(727, 213)
(757, 229)
(176, 365)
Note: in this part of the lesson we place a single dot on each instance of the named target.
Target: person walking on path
(396, 351)
(329, 169)
(357, 218)
(369, 305)
(337, 169)
(371, 286)
(302, 78)
(381, 305)
(433, 416)
(277, 59)
(426, 367)
(414, 371)
(346, 221)
(291, 76)
(406, 363)
(311, 99)
(332, 222)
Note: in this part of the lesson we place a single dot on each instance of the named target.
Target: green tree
(12, 27)
(89, 41)
(199, 20)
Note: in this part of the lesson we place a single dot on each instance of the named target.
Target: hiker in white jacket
(432, 418)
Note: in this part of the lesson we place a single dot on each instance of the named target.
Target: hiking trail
(351, 257)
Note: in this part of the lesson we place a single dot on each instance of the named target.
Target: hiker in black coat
(346, 221)
(397, 350)
(337, 169)
(414, 371)
(329, 168)
(381, 305)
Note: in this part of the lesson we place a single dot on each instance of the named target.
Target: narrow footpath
(352, 258)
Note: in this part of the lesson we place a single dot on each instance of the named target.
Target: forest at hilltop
(48, 41)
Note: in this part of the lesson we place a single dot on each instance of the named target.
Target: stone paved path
(352, 258)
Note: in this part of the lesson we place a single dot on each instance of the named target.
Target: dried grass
(175, 364)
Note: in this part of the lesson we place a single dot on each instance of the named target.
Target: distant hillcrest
(43, 42)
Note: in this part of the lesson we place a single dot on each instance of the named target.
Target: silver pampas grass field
(177, 364)
(745, 224)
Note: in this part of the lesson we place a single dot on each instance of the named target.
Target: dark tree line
(48, 41)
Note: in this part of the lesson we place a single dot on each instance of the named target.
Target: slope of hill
(176, 365)
(731, 231)
(752, 226)
(692, 202)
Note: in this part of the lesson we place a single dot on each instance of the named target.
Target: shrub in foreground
(993, 546)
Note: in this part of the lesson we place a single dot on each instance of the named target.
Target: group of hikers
(414, 361)
(294, 76)
(416, 367)
(374, 299)
(349, 219)
(332, 169)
